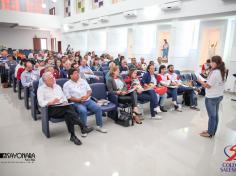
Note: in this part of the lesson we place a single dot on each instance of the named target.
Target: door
(59, 46)
(37, 43)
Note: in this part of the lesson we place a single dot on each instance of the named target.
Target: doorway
(209, 45)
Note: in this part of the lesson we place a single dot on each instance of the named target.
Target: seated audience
(10, 66)
(58, 65)
(20, 65)
(172, 90)
(175, 81)
(143, 64)
(107, 76)
(86, 70)
(117, 60)
(124, 69)
(29, 75)
(206, 68)
(78, 91)
(96, 66)
(158, 64)
(133, 64)
(149, 80)
(49, 69)
(4, 54)
(133, 82)
(65, 68)
(117, 86)
(50, 94)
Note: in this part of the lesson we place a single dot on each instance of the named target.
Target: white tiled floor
(155, 148)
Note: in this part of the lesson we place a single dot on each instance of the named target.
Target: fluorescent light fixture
(54, 1)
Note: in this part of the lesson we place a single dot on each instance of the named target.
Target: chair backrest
(105, 72)
(104, 64)
(124, 76)
(188, 77)
(194, 77)
(101, 80)
(185, 77)
(177, 72)
(105, 68)
(61, 81)
(98, 73)
(99, 90)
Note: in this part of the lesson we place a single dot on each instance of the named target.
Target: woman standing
(214, 94)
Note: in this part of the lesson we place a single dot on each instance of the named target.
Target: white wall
(231, 62)
(22, 39)
(148, 11)
(30, 19)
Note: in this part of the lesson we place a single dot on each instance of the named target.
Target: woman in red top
(162, 79)
(133, 82)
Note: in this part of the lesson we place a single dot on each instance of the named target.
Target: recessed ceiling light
(54, 1)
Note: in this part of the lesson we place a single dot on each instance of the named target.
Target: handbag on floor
(186, 99)
(124, 119)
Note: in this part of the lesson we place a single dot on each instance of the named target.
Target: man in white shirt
(79, 92)
(175, 81)
(51, 95)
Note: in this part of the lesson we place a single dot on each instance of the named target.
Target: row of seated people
(142, 89)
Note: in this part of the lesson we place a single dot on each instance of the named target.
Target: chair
(98, 73)
(104, 64)
(112, 97)
(26, 96)
(19, 88)
(105, 67)
(33, 99)
(194, 77)
(177, 72)
(188, 77)
(99, 92)
(105, 72)
(45, 116)
(93, 80)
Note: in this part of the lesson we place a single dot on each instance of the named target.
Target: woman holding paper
(117, 86)
(133, 82)
(214, 94)
(172, 90)
(149, 80)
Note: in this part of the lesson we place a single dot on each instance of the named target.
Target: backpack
(186, 99)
